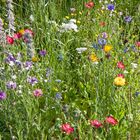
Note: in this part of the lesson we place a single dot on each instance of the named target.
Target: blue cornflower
(110, 7)
(58, 96)
(101, 41)
(128, 19)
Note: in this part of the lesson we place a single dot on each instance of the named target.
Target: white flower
(125, 71)
(31, 17)
(134, 65)
(14, 77)
(80, 50)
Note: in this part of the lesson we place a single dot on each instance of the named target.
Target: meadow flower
(127, 19)
(111, 120)
(80, 50)
(120, 65)
(67, 128)
(107, 48)
(72, 10)
(120, 75)
(32, 80)
(119, 81)
(9, 40)
(42, 52)
(102, 23)
(17, 36)
(104, 35)
(95, 123)
(2, 95)
(95, 46)
(101, 41)
(93, 58)
(110, 7)
(138, 44)
(11, 85)
(89, 5)
(37, 92)
(134, 65)
(58, 96)
(28, 65)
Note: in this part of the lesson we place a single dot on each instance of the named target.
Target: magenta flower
(37, 92)
(67, 128)
(2, 95)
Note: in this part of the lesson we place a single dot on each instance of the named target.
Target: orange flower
(107, 48)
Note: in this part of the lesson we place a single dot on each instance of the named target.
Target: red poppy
(120, 75)
(121, 65)
(95, 123)
(67, 128)
(9, 40)
(111, 120)
(89, 5)
(102, 24)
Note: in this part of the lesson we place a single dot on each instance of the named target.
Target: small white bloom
(125, 72)
(31, 17)
(80, 50)
(134, 65)
(14, 77)
(11, 63)
(106, 2)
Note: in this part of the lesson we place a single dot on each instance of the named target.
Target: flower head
(67, 128)
(37, 92)
(101, 41)
(9, 40)
(95, 123)
(119, 81)
(89, 5)
(107, 48)
(110, 7)
(111, 120)
(42, 52)
(32, 80)
(93, 58)
(138, 44)
(2, 95)
(11, 85)
(128, 19)
(80, 50)
(120, 65)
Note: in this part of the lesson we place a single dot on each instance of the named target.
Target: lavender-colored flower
(28, 65)
(2, 95)
(101, 41)
(10, 58)
(42, 52)
(58, 96)
(104, 35)
(110, 7)
(11, 85)
(32, 80)
(128, 19)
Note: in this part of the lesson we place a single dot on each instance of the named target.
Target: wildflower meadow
(69, 70)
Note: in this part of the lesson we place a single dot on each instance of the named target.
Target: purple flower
(110, 7)
(10, 58)
(128, 19)
(58, 96)
(42, 52)
(11, 85)
(32, 80)
(28, 65)
(2, 95)
(101, 41)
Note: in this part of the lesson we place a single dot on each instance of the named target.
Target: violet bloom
(10, 58)
(2, 95)
(110, 7)
(28, 65)
(42, 52)
(128, 19)
(101, 41)
(58, 96)
(32, 80)
(37, 92)
(11, 85)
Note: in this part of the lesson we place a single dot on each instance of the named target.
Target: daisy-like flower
(107, 48)
(95, 123)
(119, 81)
(67, 128)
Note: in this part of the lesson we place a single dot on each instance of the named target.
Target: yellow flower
(78, 22)
(107, 48)
(21, 31)
(93, 58)
(119, 81)
(34, 59)
(67, 17)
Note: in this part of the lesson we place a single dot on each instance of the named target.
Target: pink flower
(120, 75)
(29, 31)
(37, 92)
(95, 123)
(121, 65)
(111, 120)
(89, 5)
(17, 35)
(67, 128)
(9, 40)
(138, 44)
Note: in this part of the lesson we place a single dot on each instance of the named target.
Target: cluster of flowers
(68, 129)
